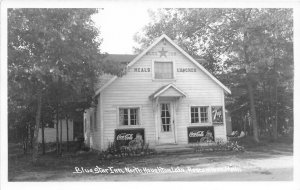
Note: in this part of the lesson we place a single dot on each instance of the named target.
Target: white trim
(167, 87)
(156, 110)
(178, 48)
(175, 121)
(224, 117)
(101, 122)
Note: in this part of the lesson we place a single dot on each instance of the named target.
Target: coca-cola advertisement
(124, 136)
(201, 134)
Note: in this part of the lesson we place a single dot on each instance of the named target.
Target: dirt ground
(272, 162)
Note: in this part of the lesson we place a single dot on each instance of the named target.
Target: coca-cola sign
(200, 134)
(196, 134)
(124, 136)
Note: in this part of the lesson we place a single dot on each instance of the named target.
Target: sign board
(186, 70)
(200, 134)
(217, 114)
(124, 136)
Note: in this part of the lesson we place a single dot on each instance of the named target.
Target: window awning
(169, 90)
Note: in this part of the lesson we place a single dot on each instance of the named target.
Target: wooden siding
(93, 129)
(135, 87)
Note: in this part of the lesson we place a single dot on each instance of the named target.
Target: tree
(47, 47)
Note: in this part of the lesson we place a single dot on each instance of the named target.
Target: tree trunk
(275, 125)
(252, 111)
(248, 80)
(36, 128)
(275, 135)
(57, 120)
(67, 120)
(60, 142)
(43, 137)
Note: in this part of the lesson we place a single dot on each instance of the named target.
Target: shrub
(117, 150)
(218, 145)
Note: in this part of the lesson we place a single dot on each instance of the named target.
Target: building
(166, 96)
(74, 130)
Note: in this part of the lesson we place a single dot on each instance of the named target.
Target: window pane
(163, 70)
(133, 116)
(194, 115)
(123, 115)
(204, 114)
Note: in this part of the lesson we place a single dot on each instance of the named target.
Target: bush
(218, 145)
(117, 150)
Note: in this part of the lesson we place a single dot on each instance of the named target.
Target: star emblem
(163, 52)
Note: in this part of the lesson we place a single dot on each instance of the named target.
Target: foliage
(116, 150)
(53, 59)
(218, 145)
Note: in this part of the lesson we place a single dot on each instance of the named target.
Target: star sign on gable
(163, 52)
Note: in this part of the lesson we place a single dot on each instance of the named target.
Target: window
(165, 117)
(129, 116)
(199, 114)
(163, 70)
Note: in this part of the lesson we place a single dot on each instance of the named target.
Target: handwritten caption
(156, 170)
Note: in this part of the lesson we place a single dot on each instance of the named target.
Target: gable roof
(163, 89)
(164, 36)
(119, 58)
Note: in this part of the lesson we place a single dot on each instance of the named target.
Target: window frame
(209, 121)
(164, 60)
(139, 118)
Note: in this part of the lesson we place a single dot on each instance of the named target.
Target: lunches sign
(124, 136)
(200, 134)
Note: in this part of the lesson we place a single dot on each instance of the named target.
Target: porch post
(156, 120)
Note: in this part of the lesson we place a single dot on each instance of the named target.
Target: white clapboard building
(166, 96)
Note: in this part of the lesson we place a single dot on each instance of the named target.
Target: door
(166, 123)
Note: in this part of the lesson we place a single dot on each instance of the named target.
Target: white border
(151, 4)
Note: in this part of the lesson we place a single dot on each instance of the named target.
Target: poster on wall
(200, 134)
(124, 136)
(217, 114)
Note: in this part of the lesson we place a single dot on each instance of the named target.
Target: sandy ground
(264, 164)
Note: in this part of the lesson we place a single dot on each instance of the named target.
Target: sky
(118, 26)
